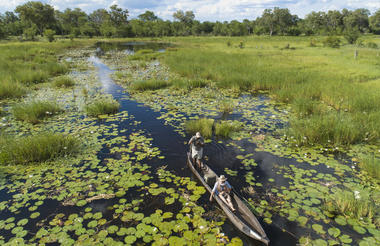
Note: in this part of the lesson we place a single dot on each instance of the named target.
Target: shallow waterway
(132, 185)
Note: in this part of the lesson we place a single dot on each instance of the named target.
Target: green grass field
(335, 96)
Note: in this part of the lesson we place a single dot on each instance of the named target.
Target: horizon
(205, 10)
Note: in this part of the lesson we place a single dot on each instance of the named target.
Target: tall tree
(357, 19)
(267, 21)
(118, 15)
(42, 15)
(374, 22)
(148, 16)
(185, 17)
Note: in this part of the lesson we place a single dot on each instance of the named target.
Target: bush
(35, 111)
(332, 42)
(102, 106)
(49, 34)
(27, 150)
(11, 90)
(63, 81)
(351, 36)
(149, 85)
(204, 126)
(372, 45)
(224, 129)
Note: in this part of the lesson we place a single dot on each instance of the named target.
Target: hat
(198, 135)
(222, 178)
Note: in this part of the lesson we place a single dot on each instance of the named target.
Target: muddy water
(173, 147)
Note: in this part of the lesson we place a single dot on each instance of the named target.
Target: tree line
(35, 18)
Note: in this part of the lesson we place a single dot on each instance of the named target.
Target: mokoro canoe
(243, 218)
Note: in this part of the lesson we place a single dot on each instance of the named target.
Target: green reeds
(102, 107)
(34, 111)
(225, 129)
(63, 82)
(352, 204)
(32, 149)
(149, 85)
(226, 107)
(203, 125)
(11, 90)
(371, 165)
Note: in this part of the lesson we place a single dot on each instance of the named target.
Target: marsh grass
(102, 107)
(63, 82)
(350, 204)
(188, 84)
(225, 129)
(32, 149)
(144, 55)
(35, 111)
(319, 82)
(149, 85)
(203, 125)
(226, 107)
(371, 165)
(11, 90)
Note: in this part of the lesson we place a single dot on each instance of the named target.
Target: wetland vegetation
(93, 141)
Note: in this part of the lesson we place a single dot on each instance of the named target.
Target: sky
(205, 10)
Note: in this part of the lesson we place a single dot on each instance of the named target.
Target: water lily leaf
(22, 222)
(335, 232)
(34, 215)
(341, 220)
(130, 239)
(345, 239)
(112, 229)
(92, 224)
(318, 228)
(359, 229)
(81, 203)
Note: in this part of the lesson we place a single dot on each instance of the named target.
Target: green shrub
(224, 129)
(28, 150)
(34, 111)
(203, 125)
(371, 165)
(102, 107)
(144, 51)
(332, 42)
(49, 34)
(372, 45)
(11, 90)
(63, 81)
(149, 85)
(351, 35)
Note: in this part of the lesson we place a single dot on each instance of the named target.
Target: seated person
(222, 189)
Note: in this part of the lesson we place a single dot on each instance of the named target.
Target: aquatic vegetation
(224, 129)
(352, 204)
(34, 111)
(63, 81)
(203, 125)
(102, 107)
(11, 90)
(147, 85)
(371, 165)
(226, 107)
(44, 147)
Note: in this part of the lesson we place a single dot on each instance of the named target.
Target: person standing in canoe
(197, 142)
(222, 189)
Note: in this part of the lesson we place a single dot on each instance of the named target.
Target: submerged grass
(34, 111)
(32, 149)
(63, 82)
(203, 125)
(102, 107)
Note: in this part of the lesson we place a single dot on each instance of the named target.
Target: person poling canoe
(197, 142)
(222, 189)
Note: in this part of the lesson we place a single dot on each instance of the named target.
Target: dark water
(173, 148)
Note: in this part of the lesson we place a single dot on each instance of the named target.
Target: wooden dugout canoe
(243, 218)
